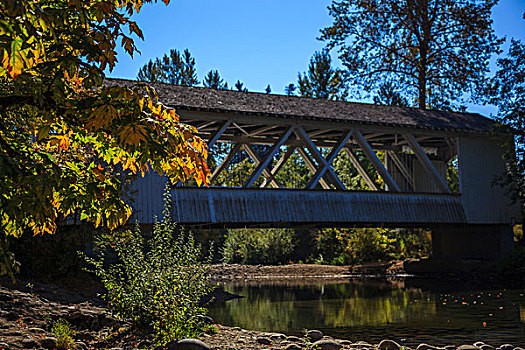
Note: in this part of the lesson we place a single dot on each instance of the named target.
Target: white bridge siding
(230, 206)
(481, 163)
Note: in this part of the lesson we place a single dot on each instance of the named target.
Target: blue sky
(257, 42)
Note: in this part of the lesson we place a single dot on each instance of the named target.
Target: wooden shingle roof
(184, 98)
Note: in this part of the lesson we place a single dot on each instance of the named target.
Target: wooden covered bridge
(408, 150)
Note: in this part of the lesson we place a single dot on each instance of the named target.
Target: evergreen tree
(268, 89)
(290, 89)
(321, 80)
(437, 50)
(240, 86)
(175, 68)
(213, 80)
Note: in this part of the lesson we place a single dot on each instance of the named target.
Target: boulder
(48, 343)
(187, 344)
(326, 345)
(487, 347)
(295, 339)
(292, 347)
(387, 344)
(314, 335)
(264, 340)
(506, 347)
(468, 347)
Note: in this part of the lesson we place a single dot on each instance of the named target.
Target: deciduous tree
(67, 140)
(506, 90)
(437, 50)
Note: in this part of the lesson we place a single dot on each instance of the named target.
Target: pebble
(187, 344)
(314, 335)
(326, 345)
(424, 346)
(468, 347)
(388, 345)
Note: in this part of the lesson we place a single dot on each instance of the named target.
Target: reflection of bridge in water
(407, 149)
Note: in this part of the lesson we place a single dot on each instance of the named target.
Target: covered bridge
(401, 154)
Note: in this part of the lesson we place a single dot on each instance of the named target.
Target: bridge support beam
(452, 242)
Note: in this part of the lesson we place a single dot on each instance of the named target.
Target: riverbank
(27, 312)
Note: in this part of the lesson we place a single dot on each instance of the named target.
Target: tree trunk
(422, 89)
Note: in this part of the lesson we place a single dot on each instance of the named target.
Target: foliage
(321, 80)
(213, 80)
(240, 86)
(63, 332)
(258, 246)
(158, 281)
(172, 68)
(435, 49)
(506, 90)
(361, 245)
(67, 141)
(388, 94)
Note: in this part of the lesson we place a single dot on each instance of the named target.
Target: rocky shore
(28, 311)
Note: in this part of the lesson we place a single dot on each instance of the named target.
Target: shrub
(258, 246)
(64, 334)
(158, 280)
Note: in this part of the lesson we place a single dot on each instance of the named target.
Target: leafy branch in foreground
(67, 140)
(158, 281)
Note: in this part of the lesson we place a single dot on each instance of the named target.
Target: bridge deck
(236, 207)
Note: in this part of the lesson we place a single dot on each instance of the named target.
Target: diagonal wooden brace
(427, 164)
(402, 168)
(371, 155)
(357, 165)
(214, 137)
(311, 166)
(264, 163)
(329, 159)
(301, 134)
(255, 158)
(279, 165)
(225, 161)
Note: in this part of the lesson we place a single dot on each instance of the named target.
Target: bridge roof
(185, 98)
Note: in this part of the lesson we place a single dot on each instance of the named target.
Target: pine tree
(268, 89)
(172, 69)
(321, 80)
(240, 86)
(290, 89)
(213, 80)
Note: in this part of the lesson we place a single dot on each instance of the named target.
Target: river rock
(479, 344)
(387, 344)
(314, 335)
(264, 341)
(28, 343)
(345, 342)
(48, 343)
(506, 347)
(468, 347)
(424, 346)
(361, 344)
(292, 347)
(486, 347)
(295, 339)
(187, 344)
(326, 345)
(276, 336)
(450, 347)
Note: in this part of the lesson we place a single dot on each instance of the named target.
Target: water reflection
(374, 310)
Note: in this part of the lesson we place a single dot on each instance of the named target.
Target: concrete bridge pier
(452, 242)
